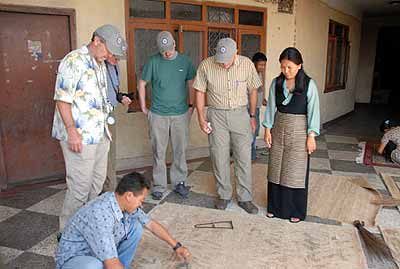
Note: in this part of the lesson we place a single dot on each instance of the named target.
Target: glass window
(147, 9)
(185, 12)
(145, 46)
(248, 17)
(250, 44)
(220, 14)
(214, 35)
(338, 57)
(193, 46)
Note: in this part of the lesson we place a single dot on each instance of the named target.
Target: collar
(84, 50)
(115, 206)
(235, 62)
(171, 59)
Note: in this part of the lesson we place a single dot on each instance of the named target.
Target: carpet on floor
(369, 155)
(340, 198)
(254, 242)
(392, 239)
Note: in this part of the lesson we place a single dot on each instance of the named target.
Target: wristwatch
(178, 245)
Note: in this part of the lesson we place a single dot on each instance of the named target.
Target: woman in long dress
(291, 122)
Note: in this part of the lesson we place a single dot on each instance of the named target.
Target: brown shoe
(249, 207)
(221, 204)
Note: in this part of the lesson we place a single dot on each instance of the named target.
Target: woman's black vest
(298, 103)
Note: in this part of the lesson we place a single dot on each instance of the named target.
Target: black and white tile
(29, 220)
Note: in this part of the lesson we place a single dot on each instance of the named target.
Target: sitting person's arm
(113, 263)
(381, 148)
(385, 139)
(98, 233)
(161, 232)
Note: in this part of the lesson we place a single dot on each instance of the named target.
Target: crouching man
(106, 232)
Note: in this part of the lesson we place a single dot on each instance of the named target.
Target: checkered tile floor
(29, 221)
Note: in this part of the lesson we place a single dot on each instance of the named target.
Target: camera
(121, 95)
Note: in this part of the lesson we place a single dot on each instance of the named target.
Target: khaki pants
(110, 184)
(85, 175)
(161, 129)
(231, 128)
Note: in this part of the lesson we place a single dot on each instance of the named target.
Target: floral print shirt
(82, 82)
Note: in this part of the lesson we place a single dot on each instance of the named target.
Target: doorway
(33, 40)
(385, 89)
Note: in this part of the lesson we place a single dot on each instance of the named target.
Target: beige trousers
(85, 175)
(231, 127)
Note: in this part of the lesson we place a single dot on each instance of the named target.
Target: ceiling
(366, 8)
(374, 8)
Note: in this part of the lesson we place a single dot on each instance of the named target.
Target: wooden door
(31, 46)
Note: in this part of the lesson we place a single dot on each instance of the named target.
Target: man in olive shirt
(226, 78)
(169, 73)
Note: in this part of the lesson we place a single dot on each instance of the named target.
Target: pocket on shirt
(241, 88)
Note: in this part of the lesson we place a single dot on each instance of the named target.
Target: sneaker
(182, 190)
(221, 204)
(156, 195)
(249, 207)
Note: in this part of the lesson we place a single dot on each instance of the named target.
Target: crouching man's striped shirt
(227, 88)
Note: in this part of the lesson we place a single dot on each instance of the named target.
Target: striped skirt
(288, 154)
(288, 168)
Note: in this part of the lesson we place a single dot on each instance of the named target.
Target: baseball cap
(225, 50)
(113, 38)
(165, 41)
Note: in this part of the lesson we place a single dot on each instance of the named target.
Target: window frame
(133, 23)
(331, 60)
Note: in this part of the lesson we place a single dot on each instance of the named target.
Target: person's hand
(126, 101)
(311, 145)
(205, 126)
(268, 138)
(253, 124)
(74, 140)
(145, 110)
(264, 102)
(183, 254)
(191, 110)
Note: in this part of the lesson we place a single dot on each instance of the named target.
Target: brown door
(31, 46)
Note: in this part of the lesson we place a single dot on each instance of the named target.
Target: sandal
(294, 220)
(270, 215)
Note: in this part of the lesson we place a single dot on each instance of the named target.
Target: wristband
(252, 115)
(178, 245)
(190, 105)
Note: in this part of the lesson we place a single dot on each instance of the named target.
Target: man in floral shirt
(81, 115)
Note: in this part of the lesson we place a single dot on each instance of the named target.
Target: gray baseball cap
(165, 41)
(225, 50)
(113, 38)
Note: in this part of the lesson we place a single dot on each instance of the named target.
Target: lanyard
(116, 89)
(101, 84)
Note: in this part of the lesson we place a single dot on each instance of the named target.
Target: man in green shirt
(169, 74)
